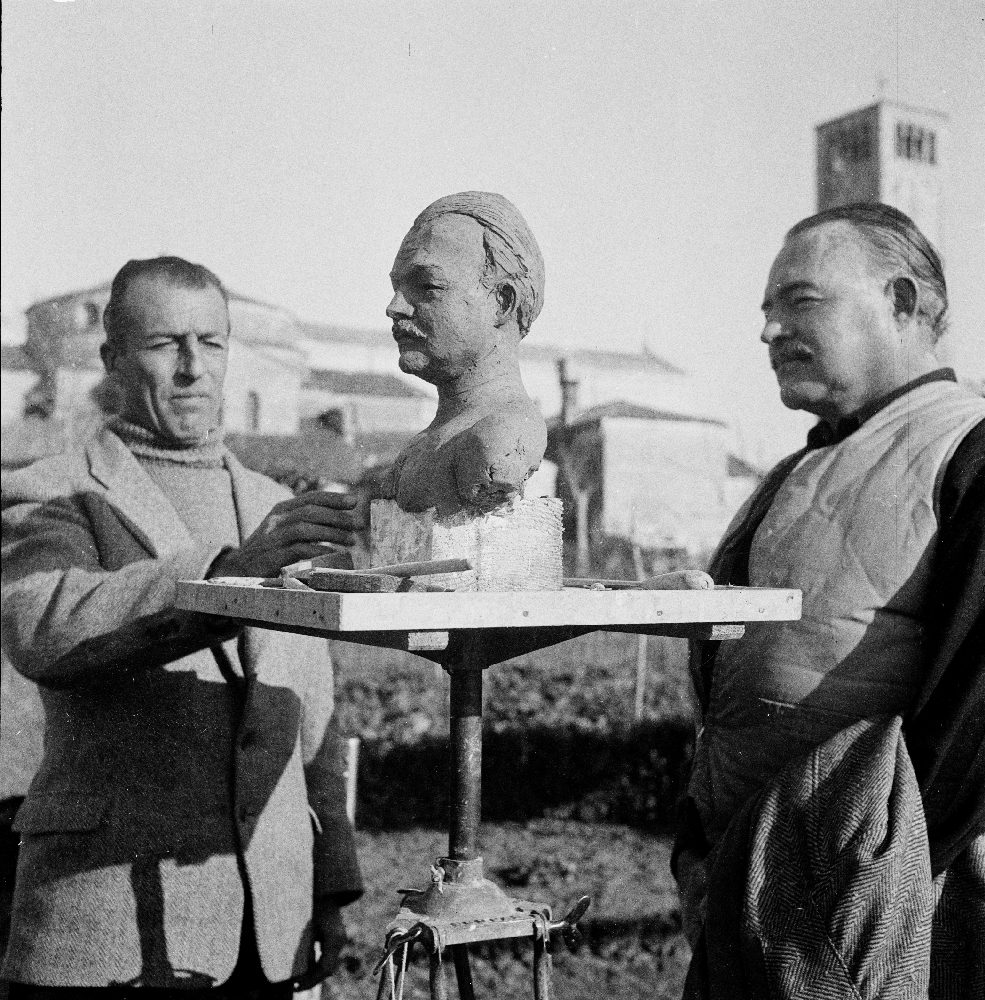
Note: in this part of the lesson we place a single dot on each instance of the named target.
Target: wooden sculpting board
(633, 609)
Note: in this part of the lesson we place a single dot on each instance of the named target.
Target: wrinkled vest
(853, 527)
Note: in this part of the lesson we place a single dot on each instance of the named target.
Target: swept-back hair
(511, 250)
(175, 270)
(893, 242)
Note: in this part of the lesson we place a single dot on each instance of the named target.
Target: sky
(658, 150)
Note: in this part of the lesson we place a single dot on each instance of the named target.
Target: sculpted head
(468, 282)
(854, 304)
(166, 349)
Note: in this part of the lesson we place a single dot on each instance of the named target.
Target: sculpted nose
(398, 306)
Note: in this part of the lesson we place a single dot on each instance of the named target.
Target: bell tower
(886, 152)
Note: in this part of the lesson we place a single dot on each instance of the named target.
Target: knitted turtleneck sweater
(195, 479)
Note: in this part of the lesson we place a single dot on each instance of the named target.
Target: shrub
(632, 777)
(560, 734)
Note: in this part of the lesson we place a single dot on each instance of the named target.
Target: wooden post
(641, 658)
(639, 699)
(351, 777)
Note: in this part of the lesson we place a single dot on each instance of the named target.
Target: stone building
(635, 376)
(657, 479)
(17, 378)
(886, 152)
(359, 404)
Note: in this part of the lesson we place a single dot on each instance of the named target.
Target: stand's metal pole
(461, 905)
(465, 713)
(466, 753)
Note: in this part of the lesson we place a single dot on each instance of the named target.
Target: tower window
(87, 314)
(849, 145)
(915, 143)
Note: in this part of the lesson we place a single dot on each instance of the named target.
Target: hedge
(633, 776)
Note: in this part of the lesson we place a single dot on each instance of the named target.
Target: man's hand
(330, 938)
(291, 532)
(330, 934)
(692, 880)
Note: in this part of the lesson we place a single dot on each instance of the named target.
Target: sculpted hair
(894, 243)
(512, 253)
(503, 264)
(174, 270)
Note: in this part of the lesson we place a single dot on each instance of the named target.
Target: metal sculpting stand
(461, 907)
(466, 633)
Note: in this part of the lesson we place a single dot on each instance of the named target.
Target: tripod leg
(542, 962)
(439, 985)
(401, 971)
(463, 971)
(386, 981)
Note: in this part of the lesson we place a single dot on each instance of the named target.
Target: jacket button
(247, 739)
(168, 630)
(246, 814)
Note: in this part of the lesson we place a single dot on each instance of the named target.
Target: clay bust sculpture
(468, 282)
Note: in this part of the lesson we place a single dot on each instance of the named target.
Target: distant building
(602, 375)
(654, 478)
(886, 152)
(16, 380)
(357, 404)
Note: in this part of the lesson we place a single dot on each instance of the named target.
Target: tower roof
(878, 105)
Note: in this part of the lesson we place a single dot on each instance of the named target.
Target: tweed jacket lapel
(251, 506)
(135, 496)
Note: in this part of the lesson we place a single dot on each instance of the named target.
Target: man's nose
(772, 329)
(191, 359)
(398, 307)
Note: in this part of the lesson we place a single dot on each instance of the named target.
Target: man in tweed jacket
(186, 828)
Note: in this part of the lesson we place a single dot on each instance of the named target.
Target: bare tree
(578, 453)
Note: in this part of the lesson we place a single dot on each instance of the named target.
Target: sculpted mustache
(406, 330)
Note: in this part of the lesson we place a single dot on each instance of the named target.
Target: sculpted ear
(506, 302)
(904, 298)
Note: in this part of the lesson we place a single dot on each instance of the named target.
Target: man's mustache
(788, 352)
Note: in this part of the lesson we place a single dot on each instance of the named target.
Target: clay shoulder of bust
(496, 455)
(514, 424)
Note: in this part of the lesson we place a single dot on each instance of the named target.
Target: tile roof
(621, 409)
(362, 383)
(13, 358)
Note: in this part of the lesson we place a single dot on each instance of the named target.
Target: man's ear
(506, 302)
(904, 298)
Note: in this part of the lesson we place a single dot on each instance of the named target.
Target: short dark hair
(893, 241)
(175, 270)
